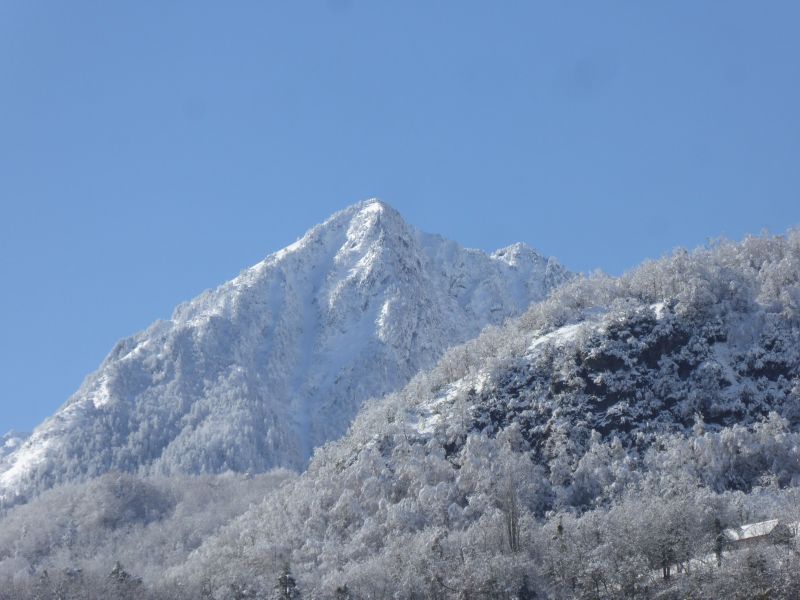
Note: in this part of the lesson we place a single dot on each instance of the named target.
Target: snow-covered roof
(751, 530)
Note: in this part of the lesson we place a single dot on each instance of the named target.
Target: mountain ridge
(262, 369)
(609, 434)
(596, 446)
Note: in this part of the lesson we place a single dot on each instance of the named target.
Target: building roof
(751, 530)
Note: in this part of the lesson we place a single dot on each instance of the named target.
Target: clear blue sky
(149, 150)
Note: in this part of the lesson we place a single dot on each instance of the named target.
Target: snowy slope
(270, 365)
(10, 441)
(715, 344)
(627, 374)
(685, 369)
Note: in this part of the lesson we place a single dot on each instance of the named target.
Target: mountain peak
(373, 205)
(272, 364)
(372, 208)
(516, 253)
(356, 221)
(374, 219)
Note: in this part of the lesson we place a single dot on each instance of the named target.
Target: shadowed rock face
(265, 368)
(628, 375)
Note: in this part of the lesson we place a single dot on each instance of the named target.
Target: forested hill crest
(261, 370)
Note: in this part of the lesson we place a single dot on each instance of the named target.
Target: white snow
(751, 530)
(722, 353)
(261, 370)
(427, 417)
(11, 441)
(558, 336)
(35, 450)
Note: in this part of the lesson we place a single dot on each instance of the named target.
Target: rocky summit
(260, 371)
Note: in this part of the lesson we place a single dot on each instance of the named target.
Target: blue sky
(149, 150)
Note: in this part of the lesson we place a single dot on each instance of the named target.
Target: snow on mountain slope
(686, 369)
(263, 369)
(11, 441)
(702, 342)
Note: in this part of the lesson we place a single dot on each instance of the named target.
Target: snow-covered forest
(598, 446)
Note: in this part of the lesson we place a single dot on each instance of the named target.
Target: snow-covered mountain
(594, 447)
(265, 368)
(662, 405)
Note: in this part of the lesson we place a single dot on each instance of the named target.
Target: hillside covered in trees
(595, 447)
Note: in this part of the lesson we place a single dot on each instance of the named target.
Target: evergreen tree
(287, 586)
